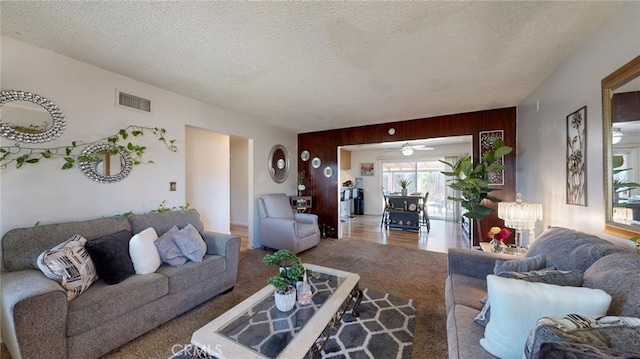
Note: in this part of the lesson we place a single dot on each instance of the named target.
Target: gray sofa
(38, 321)
(606, 266)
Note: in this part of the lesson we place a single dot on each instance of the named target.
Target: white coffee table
(256, 329)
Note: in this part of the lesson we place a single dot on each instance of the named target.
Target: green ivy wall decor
(72, 154)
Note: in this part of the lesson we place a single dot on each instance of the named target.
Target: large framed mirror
(621, 144)
(29, 118)
(278, 163)
(103, 163)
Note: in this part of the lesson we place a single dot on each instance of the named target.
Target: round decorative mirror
(101, 165)
(278, 163)
(29, 118)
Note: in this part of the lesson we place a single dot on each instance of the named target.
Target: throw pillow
(191, 243)
(168, 250)
(110, 254)
(566, 350)
(549, 276)
(516, 305)
(621, 333)
(143, 252)
(519, 265)
(69, 264)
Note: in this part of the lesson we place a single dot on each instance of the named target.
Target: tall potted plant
(291, 270)
(472, 182)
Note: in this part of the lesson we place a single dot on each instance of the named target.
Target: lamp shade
(518, 214)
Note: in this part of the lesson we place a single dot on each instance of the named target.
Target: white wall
(207, 177)
(372, 184)
(86, 95)
(239, 177)
(541, 133)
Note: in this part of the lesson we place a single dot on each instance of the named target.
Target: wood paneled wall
(324, 145)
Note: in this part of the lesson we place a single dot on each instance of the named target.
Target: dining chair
(424, 215)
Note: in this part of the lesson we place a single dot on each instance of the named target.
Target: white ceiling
(310, 66)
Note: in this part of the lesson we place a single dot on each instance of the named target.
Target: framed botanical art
(577, 157)
(496, 177)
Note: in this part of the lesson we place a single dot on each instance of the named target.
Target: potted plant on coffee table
(291, 270)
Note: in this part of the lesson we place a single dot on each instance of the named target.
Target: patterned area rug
(384, 329)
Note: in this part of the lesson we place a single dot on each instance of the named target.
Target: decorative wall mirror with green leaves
(104, 163)
(278, 163)
(29, 118)
(621, 144)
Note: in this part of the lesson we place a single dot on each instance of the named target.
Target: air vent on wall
(133, 102)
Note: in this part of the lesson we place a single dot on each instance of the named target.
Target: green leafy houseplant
(290, 270)
(472, 182)
(618, 185)
(404, 183)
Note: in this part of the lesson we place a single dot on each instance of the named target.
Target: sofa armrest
(473, 263)
(221, 244)
(34, 315)
(307, 218)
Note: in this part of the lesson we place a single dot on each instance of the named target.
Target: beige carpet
(415, 274)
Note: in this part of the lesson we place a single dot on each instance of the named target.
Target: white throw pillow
(143, 252)
(516, 306)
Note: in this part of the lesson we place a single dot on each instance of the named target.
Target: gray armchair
(281, 228)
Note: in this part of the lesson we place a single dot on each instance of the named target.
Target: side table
(506, 250)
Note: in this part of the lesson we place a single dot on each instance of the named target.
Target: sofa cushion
(516, 305)
(519, 265)
(192, 273)
(190, 243)
(70, 265)
(21, 246)
(110, 255)
(568, 249)
(169, 251)
(143, 252)
(102, 302)
(567, 350)
(622, 333)
(163, 221)
(619, 275)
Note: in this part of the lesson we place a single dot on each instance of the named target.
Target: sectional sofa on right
(572, 293)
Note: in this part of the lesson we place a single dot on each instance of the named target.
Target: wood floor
(366, 228)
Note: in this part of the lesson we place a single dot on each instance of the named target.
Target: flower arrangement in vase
(498, 236)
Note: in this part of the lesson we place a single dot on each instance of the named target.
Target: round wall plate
(315, 162)
(328, 171)
(304, 155)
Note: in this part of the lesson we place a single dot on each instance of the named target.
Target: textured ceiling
(310, 66)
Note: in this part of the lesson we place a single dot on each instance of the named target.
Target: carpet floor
(418, 275)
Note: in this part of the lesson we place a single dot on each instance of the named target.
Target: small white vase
(285, 302)
(404, 192)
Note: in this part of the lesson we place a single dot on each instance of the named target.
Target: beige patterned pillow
(69, 264)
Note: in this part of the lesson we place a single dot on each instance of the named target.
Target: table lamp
(520, 216)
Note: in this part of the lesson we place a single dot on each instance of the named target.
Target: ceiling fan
(407, 149)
